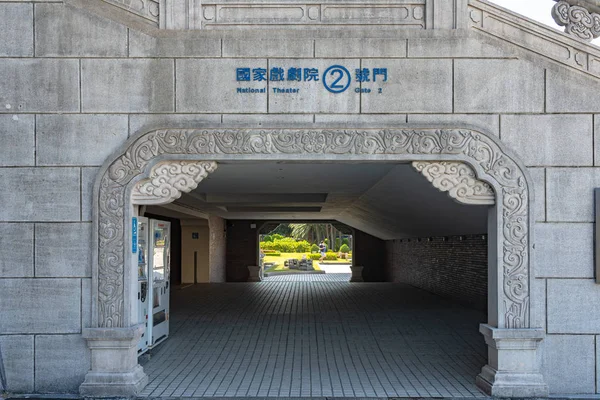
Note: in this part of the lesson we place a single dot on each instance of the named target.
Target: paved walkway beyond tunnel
(316, 339)
(309, 278)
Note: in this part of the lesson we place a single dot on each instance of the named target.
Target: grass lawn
(280, 260)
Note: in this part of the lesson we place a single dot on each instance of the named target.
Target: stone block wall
(75, 86)
(454, 267)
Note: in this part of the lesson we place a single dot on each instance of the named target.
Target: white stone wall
(75, 86)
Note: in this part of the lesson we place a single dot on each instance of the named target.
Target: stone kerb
(488, 160)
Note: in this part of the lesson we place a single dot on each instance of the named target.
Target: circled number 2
(340, 75)
(336, 79)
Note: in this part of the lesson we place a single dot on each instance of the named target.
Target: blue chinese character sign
(243, 75)
(335, 79)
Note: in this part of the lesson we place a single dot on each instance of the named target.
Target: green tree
(312, 233)
(282, 229)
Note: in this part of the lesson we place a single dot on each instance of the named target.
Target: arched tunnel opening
(408, 327)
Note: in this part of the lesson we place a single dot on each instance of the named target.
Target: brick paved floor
(316, 339)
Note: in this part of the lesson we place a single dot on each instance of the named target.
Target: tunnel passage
(410, 330)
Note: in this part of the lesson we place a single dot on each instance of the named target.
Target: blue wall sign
(134, 235)
(336, 78)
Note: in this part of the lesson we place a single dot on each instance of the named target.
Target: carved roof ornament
(169, 179)
(580, 18)
(458, 180)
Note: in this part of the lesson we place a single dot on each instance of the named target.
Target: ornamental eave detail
(581, 18)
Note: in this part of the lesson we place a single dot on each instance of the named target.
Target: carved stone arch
(137, 162)
(474, 160)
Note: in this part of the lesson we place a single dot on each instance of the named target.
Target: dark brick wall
(454, 267)
(242, 245)
(370, 253)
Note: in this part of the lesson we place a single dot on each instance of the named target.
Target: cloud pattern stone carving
(169, 179)
(577, 20)
(458, 180)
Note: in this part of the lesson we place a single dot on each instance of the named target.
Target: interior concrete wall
(75, 86)
(217, 253)
(374, 200)
(200, 247)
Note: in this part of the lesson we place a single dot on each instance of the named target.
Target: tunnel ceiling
(388, 201)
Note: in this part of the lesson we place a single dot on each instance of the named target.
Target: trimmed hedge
(345, 249)
(286, 245)
(329, 256)
(314, 248)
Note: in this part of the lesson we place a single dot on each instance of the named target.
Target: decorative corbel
(169, 179)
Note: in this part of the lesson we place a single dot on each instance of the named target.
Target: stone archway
(144, 170)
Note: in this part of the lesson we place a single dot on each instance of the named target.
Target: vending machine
(160, 251)
(152, 262)
(141, 229)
